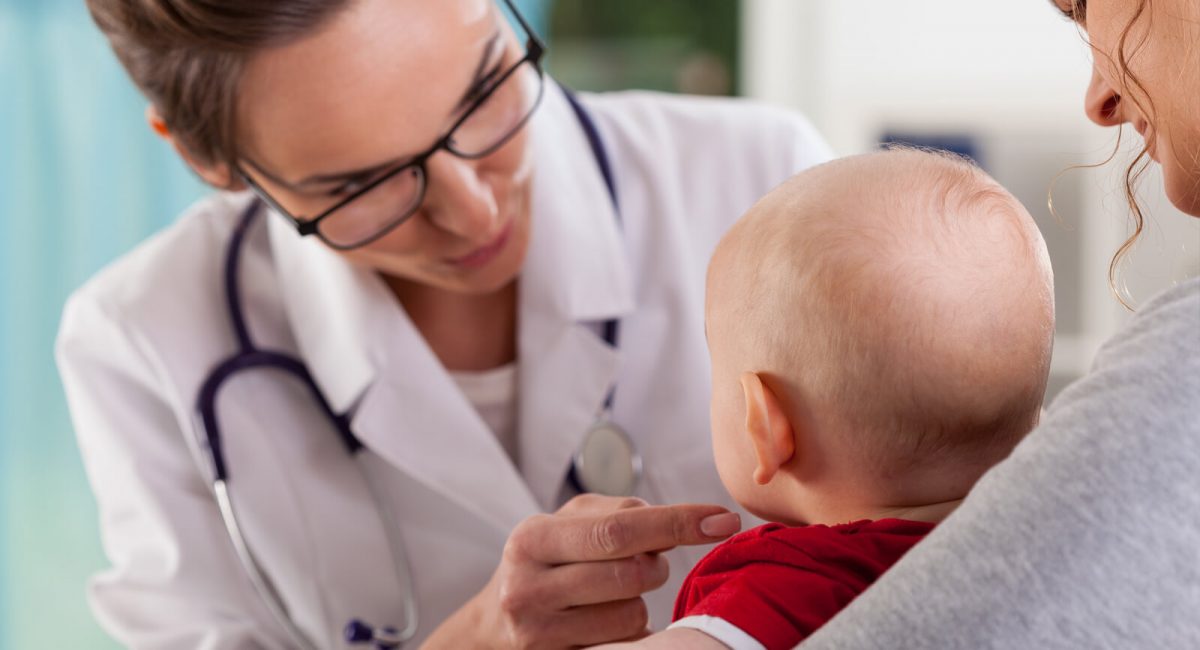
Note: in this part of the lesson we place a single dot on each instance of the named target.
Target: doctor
(352, 385)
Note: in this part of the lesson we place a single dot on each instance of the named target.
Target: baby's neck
(929, 512)
(932, 512)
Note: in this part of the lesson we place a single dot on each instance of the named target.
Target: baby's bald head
(901, 298)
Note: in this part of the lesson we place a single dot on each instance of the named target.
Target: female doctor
(440, 296)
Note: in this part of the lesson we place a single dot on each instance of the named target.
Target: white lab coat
(139, 339)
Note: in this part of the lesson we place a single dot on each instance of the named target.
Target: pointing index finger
(628, 532)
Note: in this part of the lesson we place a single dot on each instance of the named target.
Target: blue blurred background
(81, 181)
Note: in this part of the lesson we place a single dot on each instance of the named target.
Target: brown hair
(856, 286)
(187, 57)
(1139, 164)
(1133, 173)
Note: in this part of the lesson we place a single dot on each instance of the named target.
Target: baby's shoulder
(860, 545)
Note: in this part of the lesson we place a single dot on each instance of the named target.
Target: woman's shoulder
(166, 297)
(181, 261)
(1136, 413)
(729, 131)
(1157, 354)
(1087, 517)
(1168, 324)
(698, 111)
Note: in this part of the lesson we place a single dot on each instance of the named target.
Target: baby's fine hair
(912, 294)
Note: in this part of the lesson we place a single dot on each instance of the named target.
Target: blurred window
(688, 46)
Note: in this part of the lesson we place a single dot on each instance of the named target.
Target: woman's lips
(484, 254)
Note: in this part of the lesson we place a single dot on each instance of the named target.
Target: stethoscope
(607, 462)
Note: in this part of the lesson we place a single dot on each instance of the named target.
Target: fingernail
(722, 525)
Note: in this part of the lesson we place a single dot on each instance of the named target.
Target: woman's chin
(495, 275)
(1183, 188)
(1187, 202)
(483, 285)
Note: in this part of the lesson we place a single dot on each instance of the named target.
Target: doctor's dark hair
(187, 57)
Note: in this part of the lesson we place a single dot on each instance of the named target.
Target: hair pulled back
(187, 57)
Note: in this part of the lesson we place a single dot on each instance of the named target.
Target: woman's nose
(458, 199)
(1102, 102)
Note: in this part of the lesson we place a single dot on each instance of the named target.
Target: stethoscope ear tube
(270, 595)
(266, 590)
(399, 559)
(207, 423)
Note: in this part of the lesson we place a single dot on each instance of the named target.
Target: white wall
(1012, 74)
(857, 61)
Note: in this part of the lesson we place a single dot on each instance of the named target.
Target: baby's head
(880, 329)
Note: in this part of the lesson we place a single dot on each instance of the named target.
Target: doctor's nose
(1102, 103)
(458, 199)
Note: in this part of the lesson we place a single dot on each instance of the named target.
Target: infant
(880, 330)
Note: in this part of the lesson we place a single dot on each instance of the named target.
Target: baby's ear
(768, 426)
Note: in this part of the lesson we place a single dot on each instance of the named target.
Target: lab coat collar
(577, 254)
(368, 357)
(576, 275)
(576, 268)
(331, 305)
(365, 353)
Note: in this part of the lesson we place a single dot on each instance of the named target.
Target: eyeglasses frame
(535, 50)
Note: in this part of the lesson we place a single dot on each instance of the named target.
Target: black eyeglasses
(386, 200)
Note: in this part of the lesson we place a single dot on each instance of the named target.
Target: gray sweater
(1088, 536)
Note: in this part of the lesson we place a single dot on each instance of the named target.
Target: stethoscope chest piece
(607, 462)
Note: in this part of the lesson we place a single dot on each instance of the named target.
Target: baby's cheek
(726, 467)
(734, 464)
(721, 450)
(728, 435)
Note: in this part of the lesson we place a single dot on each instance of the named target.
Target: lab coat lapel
(416, 418)
(576, 275)
(368, 357)
(328, 304)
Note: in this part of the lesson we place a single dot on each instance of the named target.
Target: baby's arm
(677, 638)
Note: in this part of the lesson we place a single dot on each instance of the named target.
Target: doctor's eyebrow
(481, 74)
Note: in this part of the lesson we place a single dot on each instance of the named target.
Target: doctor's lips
(480, 257)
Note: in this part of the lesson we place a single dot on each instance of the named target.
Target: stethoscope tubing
(258, 579)
(253, 359)
(250, 357)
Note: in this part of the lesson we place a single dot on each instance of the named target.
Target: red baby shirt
(778, 584)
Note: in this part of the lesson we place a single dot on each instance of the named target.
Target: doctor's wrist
(465, 628)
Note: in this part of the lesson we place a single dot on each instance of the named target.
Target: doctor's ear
(216, 175)
(769, 428)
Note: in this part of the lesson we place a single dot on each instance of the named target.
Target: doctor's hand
(576, 577)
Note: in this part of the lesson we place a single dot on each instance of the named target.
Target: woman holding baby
(515, 249)
(1087, 535)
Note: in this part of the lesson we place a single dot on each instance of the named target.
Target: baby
(880, 330)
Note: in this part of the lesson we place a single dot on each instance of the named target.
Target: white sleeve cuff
(722, 630)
